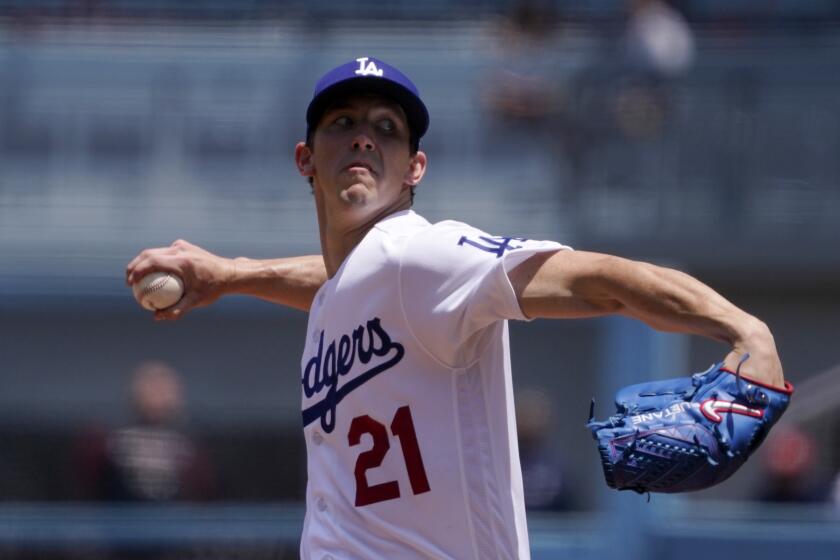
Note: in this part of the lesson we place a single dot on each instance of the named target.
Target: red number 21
(402, 427)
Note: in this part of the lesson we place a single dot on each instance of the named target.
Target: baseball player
(406, 391)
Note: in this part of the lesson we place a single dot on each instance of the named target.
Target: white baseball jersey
(407, 398)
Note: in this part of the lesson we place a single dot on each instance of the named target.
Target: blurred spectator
(658, 39)
(152, 459)
(658, 47)
(542, 469)
(789, 463)
(522, 88)
(530, 89)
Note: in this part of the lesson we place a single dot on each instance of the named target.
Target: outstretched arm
(289, 281)
(569, 284)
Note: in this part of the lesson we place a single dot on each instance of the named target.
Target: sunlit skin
(362, 170)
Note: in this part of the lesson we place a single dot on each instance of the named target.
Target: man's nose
(362, 142)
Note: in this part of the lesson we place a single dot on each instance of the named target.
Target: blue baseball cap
(369, 75)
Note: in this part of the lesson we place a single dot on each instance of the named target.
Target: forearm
(207, 277)
(670, 300)
(571, 284)
(289, 281)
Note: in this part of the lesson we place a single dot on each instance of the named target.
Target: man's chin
(355, 195)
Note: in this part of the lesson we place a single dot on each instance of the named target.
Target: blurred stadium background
(700, 134)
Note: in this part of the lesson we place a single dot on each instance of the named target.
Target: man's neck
(339, 239)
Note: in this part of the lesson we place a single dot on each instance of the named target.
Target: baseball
(158, 290)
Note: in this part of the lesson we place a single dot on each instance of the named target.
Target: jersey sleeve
(454, 284)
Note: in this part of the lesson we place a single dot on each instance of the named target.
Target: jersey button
(328, 557)
(321, 504)
(317, 438)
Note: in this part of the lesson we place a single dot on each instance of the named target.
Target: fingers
(130, 270)
(143, 264)
(159, 259)
(149, 265)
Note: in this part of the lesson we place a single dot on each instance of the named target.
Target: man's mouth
(359, 165)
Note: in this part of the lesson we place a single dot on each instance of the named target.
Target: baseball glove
(688, 433)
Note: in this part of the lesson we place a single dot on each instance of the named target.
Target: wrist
(763, 365)
(751, 331)
(233, 272)
(753, 338)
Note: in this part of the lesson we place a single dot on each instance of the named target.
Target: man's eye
(343, 122)
(387, 125)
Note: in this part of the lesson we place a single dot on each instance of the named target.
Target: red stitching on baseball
(156, 285)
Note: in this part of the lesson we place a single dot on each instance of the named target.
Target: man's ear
(416, 169)
(303, 160)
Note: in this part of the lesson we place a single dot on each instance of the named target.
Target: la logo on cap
(367, 70)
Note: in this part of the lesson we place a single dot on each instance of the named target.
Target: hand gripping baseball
(205, 275)
(688, 433)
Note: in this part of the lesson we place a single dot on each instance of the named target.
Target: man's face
(360, 158)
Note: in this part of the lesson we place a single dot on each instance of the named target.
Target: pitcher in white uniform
(406, 386)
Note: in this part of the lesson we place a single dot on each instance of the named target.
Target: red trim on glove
(787, 389)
